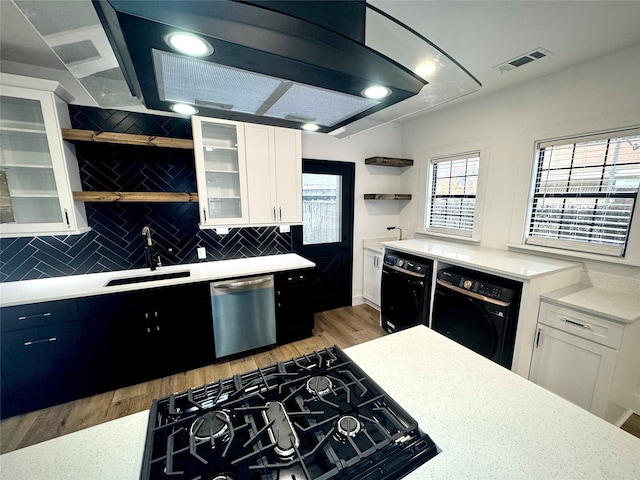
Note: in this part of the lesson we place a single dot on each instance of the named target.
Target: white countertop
(613, 305)
(489, 422)
(500, 262)
(74, 286)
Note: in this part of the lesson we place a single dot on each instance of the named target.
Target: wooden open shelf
(387, 196)
(134, 197)
(75, 135)
(389, 161)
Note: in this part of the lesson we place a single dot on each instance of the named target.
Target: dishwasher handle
(243, 284)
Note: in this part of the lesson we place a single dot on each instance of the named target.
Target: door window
(321, 208)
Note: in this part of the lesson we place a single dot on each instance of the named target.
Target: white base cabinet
(38, 170)
(575, 356)
(372, 277)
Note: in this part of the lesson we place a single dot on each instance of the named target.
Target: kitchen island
(488, 421)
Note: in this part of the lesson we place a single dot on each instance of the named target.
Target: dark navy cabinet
(136, 336)
(44, 361)
(294, 305)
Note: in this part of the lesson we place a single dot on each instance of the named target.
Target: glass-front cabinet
(35, 169)
(220, 171)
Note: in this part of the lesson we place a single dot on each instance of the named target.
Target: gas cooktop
(314, 417)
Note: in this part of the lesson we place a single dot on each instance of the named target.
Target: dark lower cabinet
(54, 352)
(137, 336)
(294, 305)
(43, 356)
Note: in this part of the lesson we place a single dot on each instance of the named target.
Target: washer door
(401, 299)
(462, 320)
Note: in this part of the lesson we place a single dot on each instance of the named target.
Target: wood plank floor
(343, 327)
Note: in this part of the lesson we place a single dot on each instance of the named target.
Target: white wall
(598, 95)
(371, 217)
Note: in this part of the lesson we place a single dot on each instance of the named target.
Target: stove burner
(317, 416)
(281, 432)
(349, 426)
(212, 424)
(319, 385)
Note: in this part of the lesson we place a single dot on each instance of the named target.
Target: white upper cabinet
(247, 174)
(38, 170)
(274, 175)
(220, 171)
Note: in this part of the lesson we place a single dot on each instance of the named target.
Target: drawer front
(581, 324)
(38, 314)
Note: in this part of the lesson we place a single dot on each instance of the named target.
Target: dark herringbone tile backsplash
(115, 241)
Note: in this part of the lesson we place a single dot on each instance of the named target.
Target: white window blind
(585, 191)
(451, 201)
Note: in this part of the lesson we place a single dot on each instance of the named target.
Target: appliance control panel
(489, 290)
(405, 264)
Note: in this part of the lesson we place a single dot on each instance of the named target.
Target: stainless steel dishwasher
(244, 315)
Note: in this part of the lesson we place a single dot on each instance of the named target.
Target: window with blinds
(584, 192)
(451, 200)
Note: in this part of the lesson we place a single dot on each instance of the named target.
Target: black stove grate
(314, 417)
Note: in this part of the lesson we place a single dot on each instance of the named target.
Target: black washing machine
(478, 311)
(406, 283)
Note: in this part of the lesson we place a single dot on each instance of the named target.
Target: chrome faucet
(148, 248)
(396, 228)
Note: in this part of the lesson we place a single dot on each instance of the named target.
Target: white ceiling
(478, 34)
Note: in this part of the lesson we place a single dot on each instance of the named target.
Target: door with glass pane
(32, 166)
(220, 168)
(326, 234)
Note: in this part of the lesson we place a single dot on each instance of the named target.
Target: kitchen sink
(147, 278)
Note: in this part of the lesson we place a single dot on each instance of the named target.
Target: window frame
(461, 234)
(578, 248)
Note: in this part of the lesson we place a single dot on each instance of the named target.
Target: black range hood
(283, 63)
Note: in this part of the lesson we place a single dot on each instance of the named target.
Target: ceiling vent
(523, 59)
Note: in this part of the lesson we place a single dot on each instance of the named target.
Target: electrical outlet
(202, 253)
(285, 228)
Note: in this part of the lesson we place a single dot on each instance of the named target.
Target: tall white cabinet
(247, 174)
(38, 170)
(274, 167)
(220, 171)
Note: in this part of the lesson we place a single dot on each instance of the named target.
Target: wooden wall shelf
(75, 135)
(387, 196)
(110, 197)
(389, 161)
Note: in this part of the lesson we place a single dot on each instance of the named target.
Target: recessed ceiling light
(184, 109)
(425, 69)
(310, 127)
(189, 44)
(375, 92)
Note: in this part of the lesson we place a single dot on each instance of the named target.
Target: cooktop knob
(467, 284)
(400, 263)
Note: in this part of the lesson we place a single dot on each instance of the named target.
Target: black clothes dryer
(478, 311)
(406, 284)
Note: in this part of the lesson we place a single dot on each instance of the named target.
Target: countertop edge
(558, 265)
(93, 284)
(578, 297)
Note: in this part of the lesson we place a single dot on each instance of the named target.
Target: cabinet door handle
(37, 315)
(538, 337)
(204, 214)
(280, 212)
(66, 216)
(586, 326)
(274, 214)
(42, 340)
